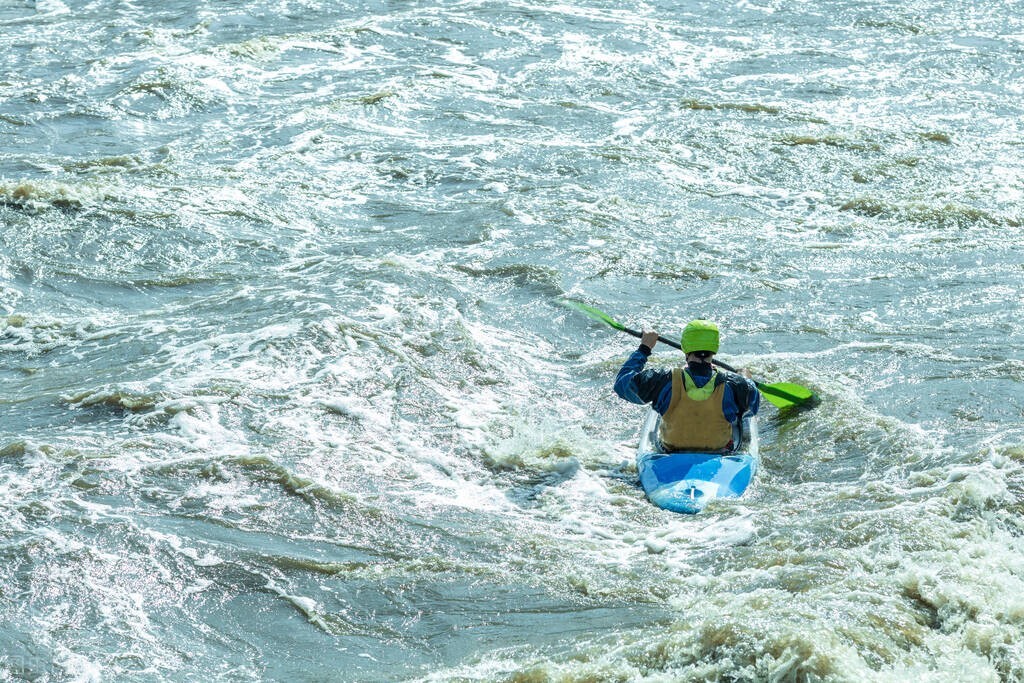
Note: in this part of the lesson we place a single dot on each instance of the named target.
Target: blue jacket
(637, 385)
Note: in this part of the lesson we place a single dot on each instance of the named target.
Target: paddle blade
(785, 394)
(594, 313)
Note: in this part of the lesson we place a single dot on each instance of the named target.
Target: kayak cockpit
(687, 481)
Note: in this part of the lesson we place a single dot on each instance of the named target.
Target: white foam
(80, 668)
(198, 587)
(355, 407)
(308, 606)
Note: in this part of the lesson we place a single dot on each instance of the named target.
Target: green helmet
(700, 335)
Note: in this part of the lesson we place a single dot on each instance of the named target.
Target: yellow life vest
(694, 419)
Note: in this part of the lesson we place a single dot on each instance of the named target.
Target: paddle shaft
(677, 345)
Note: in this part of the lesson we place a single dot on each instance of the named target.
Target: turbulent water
(288, 394)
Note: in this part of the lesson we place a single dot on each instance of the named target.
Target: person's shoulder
(733, 378)
(657, 373)
(654, 377)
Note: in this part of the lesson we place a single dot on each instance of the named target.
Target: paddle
(781, 394)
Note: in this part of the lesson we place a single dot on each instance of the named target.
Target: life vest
(694, 419)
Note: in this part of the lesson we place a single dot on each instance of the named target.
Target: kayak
(686, 482)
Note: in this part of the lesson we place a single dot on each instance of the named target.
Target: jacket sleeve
(753, 397)
(636, 385)
(745, 398)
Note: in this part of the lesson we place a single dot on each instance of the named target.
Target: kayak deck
(686, 482)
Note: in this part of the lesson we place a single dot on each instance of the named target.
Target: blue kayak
(686, 482)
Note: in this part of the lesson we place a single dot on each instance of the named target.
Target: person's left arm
(741, 397)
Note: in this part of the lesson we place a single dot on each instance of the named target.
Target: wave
(172, 91)
(947, 215)
(122, 398)
(894, 25)
(750, 108)
(39, 196)
(546, 280)
(830, 141)
(264, 468)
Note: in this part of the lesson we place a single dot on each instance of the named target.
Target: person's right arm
(626, 385)
(635, 384)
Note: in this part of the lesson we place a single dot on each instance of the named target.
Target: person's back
(698, 404)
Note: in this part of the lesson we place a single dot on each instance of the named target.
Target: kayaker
(699, 404)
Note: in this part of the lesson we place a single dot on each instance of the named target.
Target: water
(288, 394)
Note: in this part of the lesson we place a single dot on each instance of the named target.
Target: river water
(288, 394)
